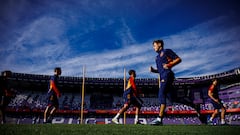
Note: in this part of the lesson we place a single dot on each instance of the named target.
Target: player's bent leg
(45, 114)
(49, 119)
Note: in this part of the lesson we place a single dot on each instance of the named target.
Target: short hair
(57, 69)
(215, 79)
(159, 41)
(131, 72)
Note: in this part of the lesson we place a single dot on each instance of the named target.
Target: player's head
(6, 73)
(215, 81)
(132, 72)
(57, 71)
(158, 45)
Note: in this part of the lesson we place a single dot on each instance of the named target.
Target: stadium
(108, 36)
(103, 98)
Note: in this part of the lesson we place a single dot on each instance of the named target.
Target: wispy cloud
(44, 42)
(39, 44)
(207, 50)
(201, 53)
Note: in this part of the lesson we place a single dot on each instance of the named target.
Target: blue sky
(108, 35)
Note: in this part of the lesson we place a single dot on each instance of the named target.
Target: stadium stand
(104, 96)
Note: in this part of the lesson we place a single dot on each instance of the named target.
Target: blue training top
(164, 57)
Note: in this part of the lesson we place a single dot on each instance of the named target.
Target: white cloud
(201, 54)
(204, 49)
(40, 43)
(107, 62)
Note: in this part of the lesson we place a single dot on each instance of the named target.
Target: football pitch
(111, 129)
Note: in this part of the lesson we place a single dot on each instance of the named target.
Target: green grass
(111, 129)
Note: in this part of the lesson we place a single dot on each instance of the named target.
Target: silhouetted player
(52, 96)
(6, 94)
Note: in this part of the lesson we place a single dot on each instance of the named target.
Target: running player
(131, 97)
(216, 102)
(5, 94)
(165, 60)
(52, 96)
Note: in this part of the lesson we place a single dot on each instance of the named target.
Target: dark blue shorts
(217, 105)
(166, 89)
(52, 99)
(130, 99)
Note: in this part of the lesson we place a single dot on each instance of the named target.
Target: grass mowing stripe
(73, 129)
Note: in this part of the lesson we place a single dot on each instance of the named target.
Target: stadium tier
(103, 96)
